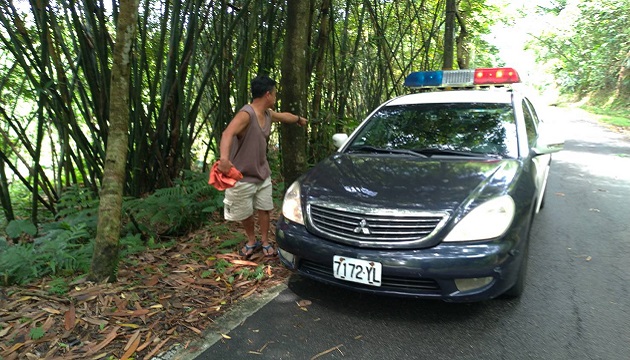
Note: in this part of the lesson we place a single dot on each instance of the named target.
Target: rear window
(473, 127)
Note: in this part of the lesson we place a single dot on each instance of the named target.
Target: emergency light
(462, 78)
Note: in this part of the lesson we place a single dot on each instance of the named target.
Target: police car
(432, 196)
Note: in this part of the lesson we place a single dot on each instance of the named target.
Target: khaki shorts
(242, 199)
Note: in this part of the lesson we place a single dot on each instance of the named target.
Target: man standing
(244, 146)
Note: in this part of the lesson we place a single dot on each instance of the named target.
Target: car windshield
(442, 129)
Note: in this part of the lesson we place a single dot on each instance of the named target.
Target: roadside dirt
(163, 297)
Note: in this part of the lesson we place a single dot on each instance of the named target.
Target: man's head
(262, 84)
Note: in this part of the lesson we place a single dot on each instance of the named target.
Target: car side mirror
(339, 140)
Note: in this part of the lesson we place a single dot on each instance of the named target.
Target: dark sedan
(432, 196)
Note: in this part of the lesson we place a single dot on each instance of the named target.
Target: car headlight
(292, 205)
(487, 221)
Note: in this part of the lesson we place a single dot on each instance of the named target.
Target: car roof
(496, 96)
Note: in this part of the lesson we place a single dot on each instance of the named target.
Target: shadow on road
(399, 309)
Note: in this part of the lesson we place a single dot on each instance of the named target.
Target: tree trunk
(318, 136)
(449, 34)
(293, 84)
(463, 56)
(5, 195)
(105, 257)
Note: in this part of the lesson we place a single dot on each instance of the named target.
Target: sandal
(269, 251)
(249, 249)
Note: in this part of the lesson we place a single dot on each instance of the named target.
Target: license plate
(356, 270)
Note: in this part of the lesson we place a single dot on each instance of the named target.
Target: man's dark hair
(261, 84)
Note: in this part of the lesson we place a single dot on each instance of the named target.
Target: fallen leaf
(49, 323)
(250, 292)
(70, 318)
(156, 349)
(132, 339)
(132, 346)
(5, 331)
(148, 340)
(194, 329)
(243, 262)
(131, 313)
(94, 321)
(51, 310)
(109, 338)
(303, 303)
(133, 326)
(16, 347)
(152, 281)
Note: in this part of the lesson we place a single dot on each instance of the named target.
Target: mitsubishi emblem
(362, 228)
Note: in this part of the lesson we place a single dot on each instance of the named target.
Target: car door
(541, 162)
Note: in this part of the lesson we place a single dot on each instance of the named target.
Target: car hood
(404, 182)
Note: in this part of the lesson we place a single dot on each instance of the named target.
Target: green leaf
(19, 227)
(37, 333)
(229, 243)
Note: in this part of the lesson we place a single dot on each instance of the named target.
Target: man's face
(271, 97)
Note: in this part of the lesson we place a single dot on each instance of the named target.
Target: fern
(64, 247)
(131, 244)
(177, 209)
(16, 264)
(16, 228)
(78, 206)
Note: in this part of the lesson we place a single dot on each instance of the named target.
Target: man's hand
(225, 166)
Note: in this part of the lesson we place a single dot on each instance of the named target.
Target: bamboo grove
(192, 63)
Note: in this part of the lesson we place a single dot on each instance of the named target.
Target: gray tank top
(249, 151)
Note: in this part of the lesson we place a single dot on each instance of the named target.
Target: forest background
(188, 67)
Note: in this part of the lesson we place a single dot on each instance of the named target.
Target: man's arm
(287, 118)
(238, 124)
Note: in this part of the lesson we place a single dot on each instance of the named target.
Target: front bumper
(422, 273)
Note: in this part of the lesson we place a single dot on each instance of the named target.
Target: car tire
(519, 287)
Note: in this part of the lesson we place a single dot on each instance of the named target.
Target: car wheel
(517, 289)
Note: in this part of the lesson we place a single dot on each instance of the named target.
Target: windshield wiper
(369, 148)
(435, 151)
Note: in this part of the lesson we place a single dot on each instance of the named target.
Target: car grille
(393, 283)
(373, 226)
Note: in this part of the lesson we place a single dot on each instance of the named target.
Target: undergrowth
(63, 247)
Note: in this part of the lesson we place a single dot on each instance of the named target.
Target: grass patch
(616, 117)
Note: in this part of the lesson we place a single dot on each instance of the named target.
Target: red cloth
(222, 181)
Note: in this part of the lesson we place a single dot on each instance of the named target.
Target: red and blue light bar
(462, 78)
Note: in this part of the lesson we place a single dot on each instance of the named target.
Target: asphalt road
(576, 303)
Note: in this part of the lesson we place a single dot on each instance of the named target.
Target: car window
(530, 123)
(533, 111)
(473, 127)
